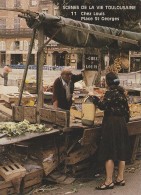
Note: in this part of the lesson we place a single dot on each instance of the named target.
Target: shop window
(2, 3)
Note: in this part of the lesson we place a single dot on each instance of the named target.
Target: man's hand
(55, 104)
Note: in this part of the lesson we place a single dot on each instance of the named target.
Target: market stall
(62, 140)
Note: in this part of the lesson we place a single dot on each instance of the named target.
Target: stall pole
(40, 63)
(26, 66)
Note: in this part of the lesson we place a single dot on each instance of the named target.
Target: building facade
(15, 37)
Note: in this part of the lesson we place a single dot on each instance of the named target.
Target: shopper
(6, 70)
(115, 143)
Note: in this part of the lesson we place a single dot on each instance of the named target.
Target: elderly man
(63, 88)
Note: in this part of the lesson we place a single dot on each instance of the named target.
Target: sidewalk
(132, 187)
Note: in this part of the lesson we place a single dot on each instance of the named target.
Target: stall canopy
(79, 34)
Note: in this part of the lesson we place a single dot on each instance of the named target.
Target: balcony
(10, 33)
(45, 2)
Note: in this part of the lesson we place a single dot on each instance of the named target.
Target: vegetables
(116, 67)
(12, 129)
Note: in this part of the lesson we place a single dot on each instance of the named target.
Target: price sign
(91, 62)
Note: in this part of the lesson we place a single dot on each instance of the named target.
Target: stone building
(15, 37)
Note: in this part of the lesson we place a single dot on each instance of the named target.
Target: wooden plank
(48, 115)
(18, 113)
(5, 184)
(13, 98)
(135, 148)
(33, 181)
(11, 171)
(24, 112)
(5, 109)
(62, 118)
(27, 136)
(80, 154)
(33, 174)
(29, 189)
(52, 159)
(58, 117)
(134, 127)
(30, 114)
(89, 136)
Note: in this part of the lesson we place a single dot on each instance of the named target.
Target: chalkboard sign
(91, 62)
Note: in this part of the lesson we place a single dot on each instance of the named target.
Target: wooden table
(27, 136)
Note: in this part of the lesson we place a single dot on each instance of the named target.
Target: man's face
(66, 76)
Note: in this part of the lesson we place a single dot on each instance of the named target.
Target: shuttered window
(17, 3)
(2, 3)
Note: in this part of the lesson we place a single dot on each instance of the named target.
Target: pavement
(82, 187)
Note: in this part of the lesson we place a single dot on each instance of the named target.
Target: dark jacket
(59, 92)
(114, 103)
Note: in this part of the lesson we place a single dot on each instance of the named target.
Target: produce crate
(58, 117)
(32, 180)
(80, 154)
(12, 170)
(13, 98)
(52, 158)
(20, 113)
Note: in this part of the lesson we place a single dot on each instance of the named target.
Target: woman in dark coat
(115, 144)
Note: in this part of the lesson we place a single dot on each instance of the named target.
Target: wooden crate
(80, 154)
(48, 115)
(14, 97)
(32, 180)
(89, 137)
(30, 87)
(58, 117)
(51, 159)
(63, 118)
(12, 170)
(20, 113)
(30, 113)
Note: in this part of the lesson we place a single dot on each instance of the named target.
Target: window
(56, 11)
(26, 45)
(2, 3)
(2, 23)
(2, 46)
(17, 3)
(45, 10)
(16, 23)
(16, 44)
(33, 2)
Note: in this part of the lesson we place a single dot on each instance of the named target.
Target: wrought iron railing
(21, 32)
